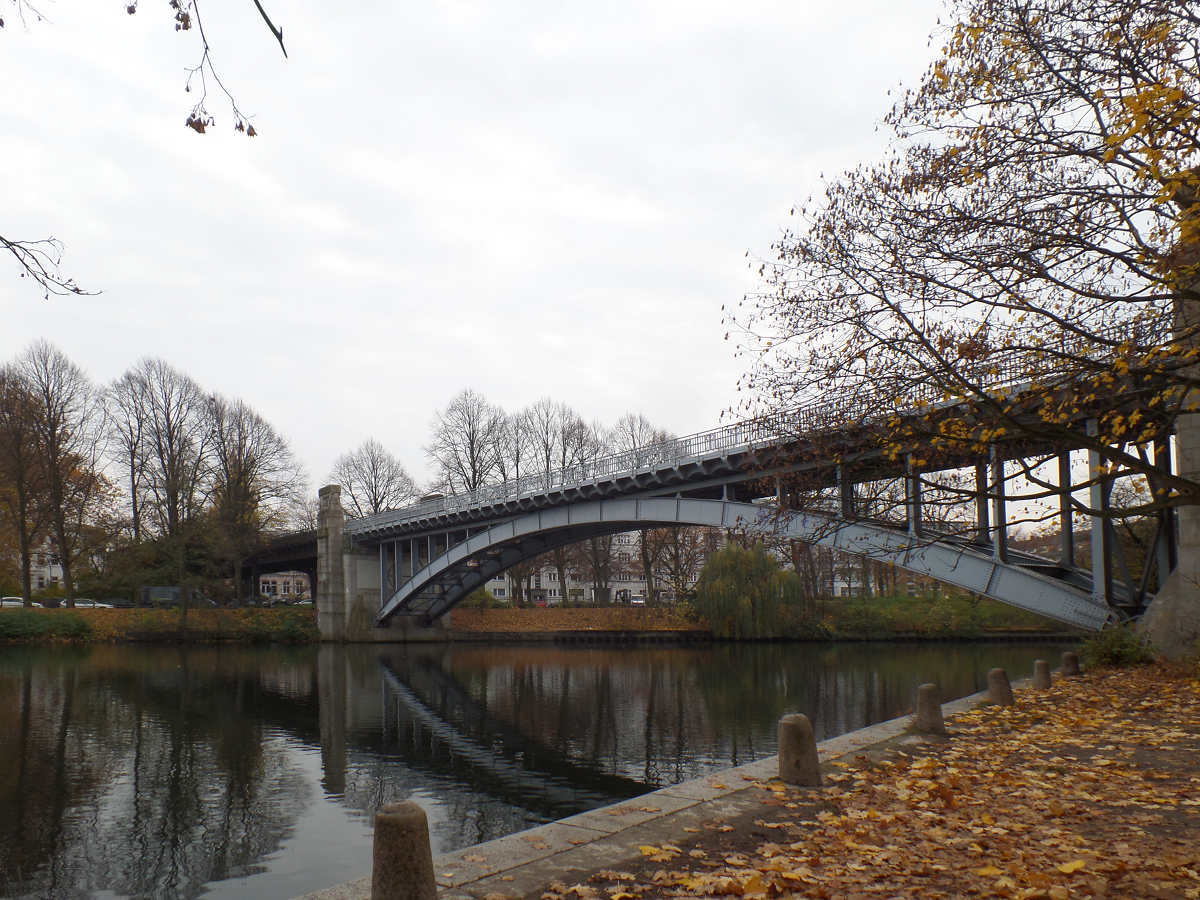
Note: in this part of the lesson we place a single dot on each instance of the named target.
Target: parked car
(11, 601)
(91, 604)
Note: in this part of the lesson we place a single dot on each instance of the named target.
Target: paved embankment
(608, 838)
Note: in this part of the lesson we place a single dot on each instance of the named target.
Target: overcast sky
(528, 198)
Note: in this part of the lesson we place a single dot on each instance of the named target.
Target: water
(254, 772)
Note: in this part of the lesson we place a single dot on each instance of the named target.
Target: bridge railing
(807, 420)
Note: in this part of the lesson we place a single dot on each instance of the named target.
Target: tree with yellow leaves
(1026, 259)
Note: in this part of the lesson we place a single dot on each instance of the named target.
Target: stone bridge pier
(347, 589)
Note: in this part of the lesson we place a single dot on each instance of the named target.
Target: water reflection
(171, 772)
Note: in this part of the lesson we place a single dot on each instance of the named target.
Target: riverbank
(1085, 789)
(852, 620)
(843, 619)
(290, 626)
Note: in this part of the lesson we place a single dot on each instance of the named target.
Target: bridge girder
(444, 581)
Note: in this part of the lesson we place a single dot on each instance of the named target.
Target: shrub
(1120, 645)
(31, 625)
(480, 598)
(745, 594)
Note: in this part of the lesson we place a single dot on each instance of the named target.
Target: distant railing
(808, 420)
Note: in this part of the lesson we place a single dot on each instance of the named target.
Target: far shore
(853, 621)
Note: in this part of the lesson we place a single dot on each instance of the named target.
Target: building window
(498, 593)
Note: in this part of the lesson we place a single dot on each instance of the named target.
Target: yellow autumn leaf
(1058, 892)
(648, 850)
(988, 819)
(988, 871)
(1073, 866)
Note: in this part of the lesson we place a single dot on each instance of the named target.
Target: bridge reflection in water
(235, 772)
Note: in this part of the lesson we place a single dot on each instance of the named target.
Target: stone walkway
(570, 849)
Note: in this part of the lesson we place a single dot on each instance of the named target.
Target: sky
(522, 197)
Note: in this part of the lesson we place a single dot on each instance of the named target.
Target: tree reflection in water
(163, 772)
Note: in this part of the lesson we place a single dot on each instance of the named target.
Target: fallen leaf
(1074, 866)
(988, 871)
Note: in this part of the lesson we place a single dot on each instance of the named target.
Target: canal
(133, 771)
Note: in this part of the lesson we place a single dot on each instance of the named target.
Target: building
(285, 586)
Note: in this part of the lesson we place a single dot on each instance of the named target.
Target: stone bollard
(1070, 663)
(1041, 673)
(798, 763)
(999, 689)
(929, 710)
(403, 860)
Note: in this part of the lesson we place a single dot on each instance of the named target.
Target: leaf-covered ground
(1088, 789)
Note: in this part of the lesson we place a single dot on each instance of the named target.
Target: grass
(294, 626)
(942, 616)
(35, 625)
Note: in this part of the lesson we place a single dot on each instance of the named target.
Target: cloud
(524, 197)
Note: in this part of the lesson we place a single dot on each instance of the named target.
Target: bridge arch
(1025, 582)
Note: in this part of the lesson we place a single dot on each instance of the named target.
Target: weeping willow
(745, 594)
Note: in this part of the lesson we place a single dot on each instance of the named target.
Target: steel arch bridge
(747, 475)
(1023, 580)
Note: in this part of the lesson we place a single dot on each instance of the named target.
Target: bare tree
(175, 442)
(631, 433)
(65, 414)
(684, 552)
(125, 415)
(256, 479)
(463, 441)
(597, 558)
(22, 485)
(513, 445)
(372, 479)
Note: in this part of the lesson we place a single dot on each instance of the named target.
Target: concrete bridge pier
(348, 584)
(331, 572)
(1172, 620)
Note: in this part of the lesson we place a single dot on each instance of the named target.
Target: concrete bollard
(403, 860)
(1070, 663)
(798, 763)
(1041, 673)
(999, 688)
(929, 710)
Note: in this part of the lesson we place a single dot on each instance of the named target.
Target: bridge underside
(1060, 593)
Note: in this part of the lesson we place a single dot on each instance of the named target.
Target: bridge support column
(1172, 621)
(912, 497)
(1066, 516)
(999, 507)
(983, 530)
(330, 591)
(1098, 495)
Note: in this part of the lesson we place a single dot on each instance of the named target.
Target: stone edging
(600, 830)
